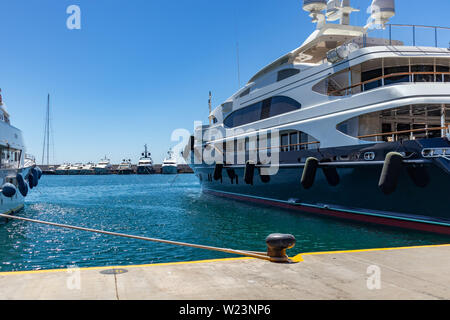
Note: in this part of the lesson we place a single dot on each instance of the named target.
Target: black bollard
(277, 244)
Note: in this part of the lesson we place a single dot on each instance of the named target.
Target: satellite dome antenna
(315, 8)
(381, 12)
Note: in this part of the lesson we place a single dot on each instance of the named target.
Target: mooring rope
(252, 254)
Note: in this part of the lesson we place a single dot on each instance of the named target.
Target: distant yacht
(88, 168)
(103, 167)
(169, 165)
(145, 164)
(125, 167)
(75, 169)
(62, 169)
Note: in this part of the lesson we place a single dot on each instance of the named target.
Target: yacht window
(284, 143)
(287, 73)
(245, 93)
(244, 116)
(262, 110)
(423, 77)
(408, 122)
(369, 75)
(282, 105)
(399, 78)
(293, 140)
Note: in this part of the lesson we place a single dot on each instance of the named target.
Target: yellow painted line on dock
(15, 209)
(299, 257)
(122, 267)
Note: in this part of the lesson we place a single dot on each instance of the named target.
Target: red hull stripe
(427, 227)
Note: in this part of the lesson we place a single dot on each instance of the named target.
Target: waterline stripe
(330, 208)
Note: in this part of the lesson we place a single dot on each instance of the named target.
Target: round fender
(23, 188)
(391, 172)
(30, 178)
(331, 174)
(39, 171)
(419, 175)
(35, 175)
(309, 172)
(9, 190)
(218, 171)
(249, 172)
(264, 178)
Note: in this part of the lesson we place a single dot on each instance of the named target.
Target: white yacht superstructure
(352, 124)
(104, 166)
(169, 165)
(125, 167)
(145, 164)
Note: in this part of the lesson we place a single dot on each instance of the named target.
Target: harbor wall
(182, 168)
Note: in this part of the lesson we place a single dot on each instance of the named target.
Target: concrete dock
(395, 273)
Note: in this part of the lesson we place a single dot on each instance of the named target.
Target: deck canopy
(314, 49)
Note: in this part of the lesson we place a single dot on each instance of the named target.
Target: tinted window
(369, 75)
(282, 105)
(261, 110)
(396, 79)
(286, 73)
(244, 116)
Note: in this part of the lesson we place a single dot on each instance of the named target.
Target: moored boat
(18, 171)
(169, 165)
(349, 125)
(87, 169)
(103, 167)
(125, 167)
(63, 169)
(145, 164)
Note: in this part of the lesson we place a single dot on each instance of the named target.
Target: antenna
(238, 65)
(209, 105)
(334, 10)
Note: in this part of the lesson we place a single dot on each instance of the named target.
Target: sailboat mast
(48, 129)
(46, 145)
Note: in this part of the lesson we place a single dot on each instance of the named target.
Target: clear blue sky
(139, 69)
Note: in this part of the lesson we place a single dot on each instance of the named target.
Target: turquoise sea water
(168, 207)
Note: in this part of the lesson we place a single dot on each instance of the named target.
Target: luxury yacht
(125, 167)
(103, 167)
(145, 164)
(18, 171)
(353, 124)
(88, 168)
(169, 165)
(75, 169)
(63, 169)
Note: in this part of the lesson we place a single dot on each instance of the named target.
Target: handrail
(392, 75)
(403, 131)
(416, 25)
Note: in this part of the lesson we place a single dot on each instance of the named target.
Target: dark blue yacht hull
(414, 205)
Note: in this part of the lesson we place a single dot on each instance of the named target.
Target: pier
(392, 273)
(182, 169)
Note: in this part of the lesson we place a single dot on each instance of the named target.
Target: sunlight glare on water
(167, 207)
